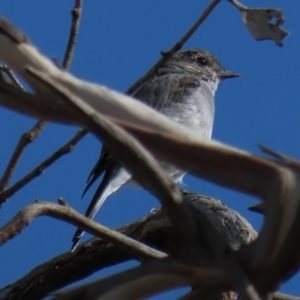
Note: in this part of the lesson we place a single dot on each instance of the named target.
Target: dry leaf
(258, 22)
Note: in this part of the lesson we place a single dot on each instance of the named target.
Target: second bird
(183, 90)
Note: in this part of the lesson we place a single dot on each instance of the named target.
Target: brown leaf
(258, 22)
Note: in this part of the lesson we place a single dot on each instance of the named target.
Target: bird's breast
(195, 110)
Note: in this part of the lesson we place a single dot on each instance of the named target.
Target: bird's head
(200, 63)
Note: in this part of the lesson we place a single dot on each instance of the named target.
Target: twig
(142, 282)
(26, 138)
(68, 147)
(14, 98)
(76, 15)
(23, 218)
(168, 54)
(7, 70)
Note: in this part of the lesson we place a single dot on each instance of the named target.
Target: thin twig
(168, 54)
(7, 70)
(26, 138)
(68, 147)
(76, 15)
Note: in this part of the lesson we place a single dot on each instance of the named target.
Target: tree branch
(154, 230)
(37, 171)
(76, 15)
(69, 215)
(26, 138)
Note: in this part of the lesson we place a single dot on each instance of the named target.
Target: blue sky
(118, 42)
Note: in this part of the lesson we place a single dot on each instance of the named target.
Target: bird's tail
(113, 179)
(100, 196)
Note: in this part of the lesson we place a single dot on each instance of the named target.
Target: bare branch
(67, 214)
(13, 98)
(26, 138)
(7, 70)
(154, 230)
(146, 280)
(67, 148)
(76, 15)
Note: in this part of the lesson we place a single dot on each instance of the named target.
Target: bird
(184, 91)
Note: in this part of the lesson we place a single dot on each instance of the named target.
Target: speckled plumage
(184, 91)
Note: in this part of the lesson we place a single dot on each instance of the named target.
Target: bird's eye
(202, 61)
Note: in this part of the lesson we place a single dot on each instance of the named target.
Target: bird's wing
(164, 90)
(157, 93)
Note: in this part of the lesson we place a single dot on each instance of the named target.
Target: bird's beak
(228, 74)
